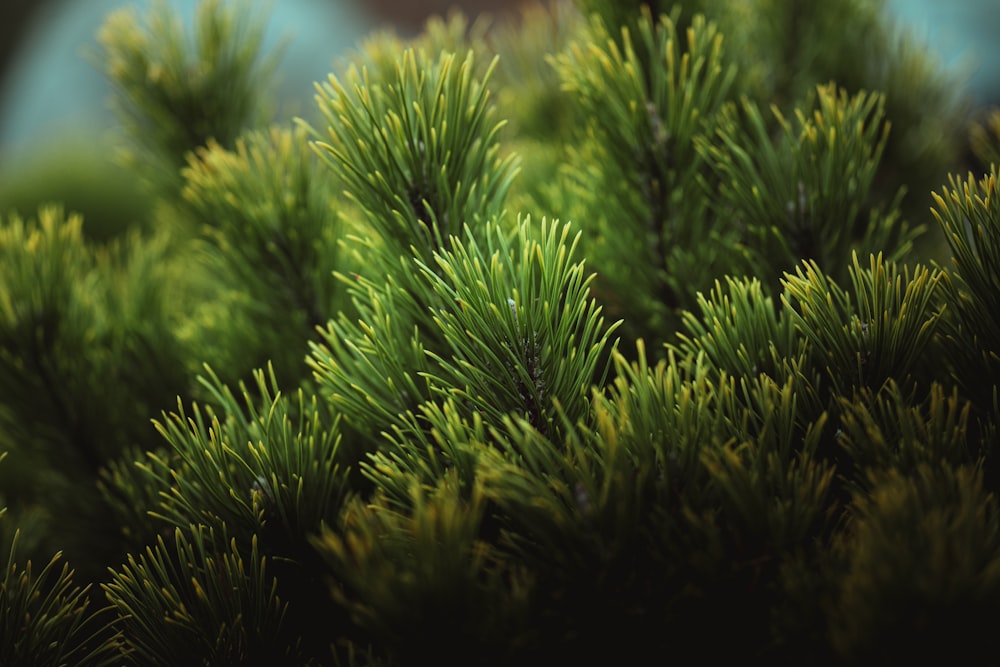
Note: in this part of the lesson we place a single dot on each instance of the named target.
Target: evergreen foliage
(269, 231)
(788, 193)
(646, 100)
(211, 607)
(967, 212)
(984, 138)
(88, 350)
(46, 619)
(581, 338)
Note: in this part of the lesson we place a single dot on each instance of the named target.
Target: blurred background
(53, 100)
(54, 112)
(48, 87)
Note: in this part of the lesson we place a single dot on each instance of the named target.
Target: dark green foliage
(984, 138)
(787, 47)
(444, 455)
(888, 429)
(87, 352)
(269, 475)
(968, 212)
(196, 603)
(921, 569)
(281, 453)
(422, 583)
(47, 620)
(268, 471)
(45, 273)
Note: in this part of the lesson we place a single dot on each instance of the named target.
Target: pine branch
(741, 332)
(46, 620)
(984, 139)
(417, 152)
(888, 429)
(879, 331)
(789, 193)
(268, 464)
(372, 369)
(475, 472)
(645, 98)
(47, 315)
(421, 582)
(969, 215)
(524, 336)
(199, 601)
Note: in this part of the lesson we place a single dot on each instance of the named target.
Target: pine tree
(607, 331)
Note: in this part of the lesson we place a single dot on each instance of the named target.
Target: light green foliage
(524, 335)
(372, 369)
(449, 171)
(449, 175)
(646, 96)
(521, 336)
(272, 232)
(739, 330)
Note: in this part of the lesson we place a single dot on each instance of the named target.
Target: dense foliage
(617, 329)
